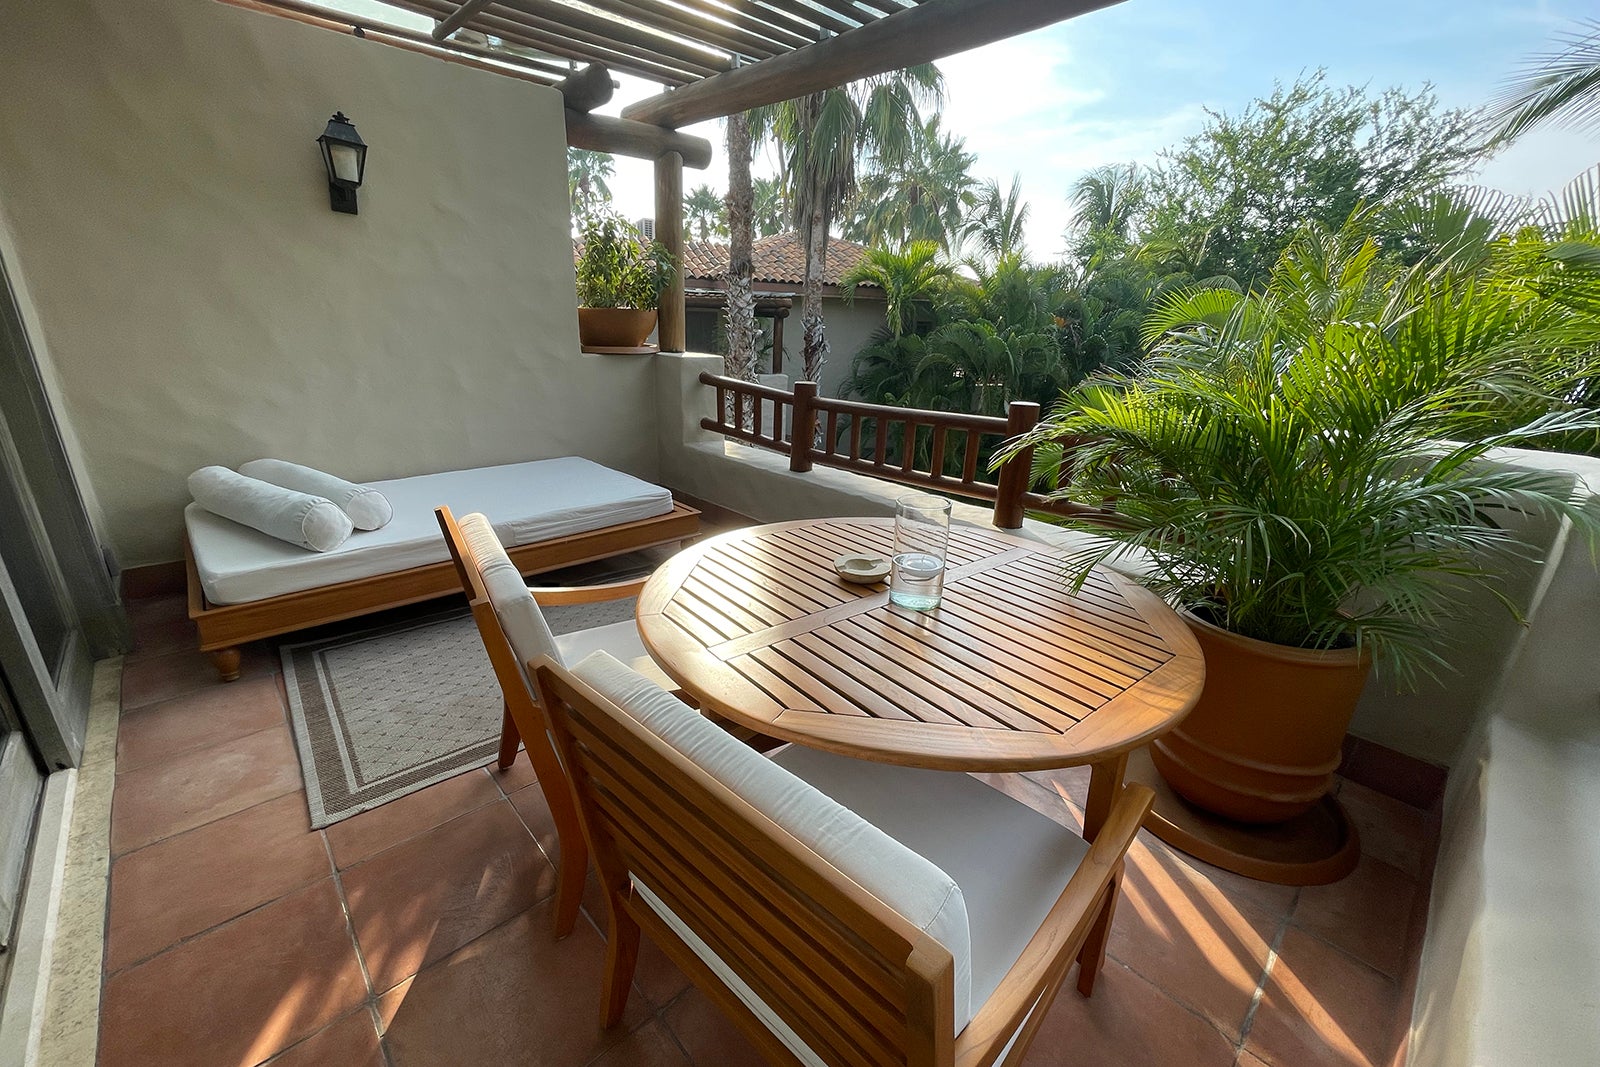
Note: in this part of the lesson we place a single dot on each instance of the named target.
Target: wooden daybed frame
(224, 627)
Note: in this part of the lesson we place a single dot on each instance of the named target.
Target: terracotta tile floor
(418, 934)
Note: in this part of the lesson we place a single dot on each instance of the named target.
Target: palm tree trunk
(812, 327)
(740, 362)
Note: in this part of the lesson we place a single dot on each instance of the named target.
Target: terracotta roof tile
(779, 259)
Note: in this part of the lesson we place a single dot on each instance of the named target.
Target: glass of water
(921, 545)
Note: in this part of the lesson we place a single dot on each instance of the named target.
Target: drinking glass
(921, 545)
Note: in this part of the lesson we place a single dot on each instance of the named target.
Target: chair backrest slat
(832, 961)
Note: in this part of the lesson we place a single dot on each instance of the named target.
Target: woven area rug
(386, 711)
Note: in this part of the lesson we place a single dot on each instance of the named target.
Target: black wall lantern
(344, 153)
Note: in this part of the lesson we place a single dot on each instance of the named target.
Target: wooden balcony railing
(911, 446)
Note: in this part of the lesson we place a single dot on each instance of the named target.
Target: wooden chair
(924, 919)
(513, 632)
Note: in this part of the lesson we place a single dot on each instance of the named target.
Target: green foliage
(1231, 197)
(587, 189)
(1561, 87)
(995, 228)
(924, 196)
(769, 209)
(822, 137)
(909, 279)
(705, 213)
(617, 269)
(1307, 464)
(1106, 202)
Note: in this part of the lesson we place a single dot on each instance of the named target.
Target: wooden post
(778, 315)
(805, 427)
(671, 330)
(1021, 416)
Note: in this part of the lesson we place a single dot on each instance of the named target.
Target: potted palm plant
(1306, 473)
(620, 281)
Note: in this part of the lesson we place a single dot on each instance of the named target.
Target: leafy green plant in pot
(620, 281)
(1305, 473)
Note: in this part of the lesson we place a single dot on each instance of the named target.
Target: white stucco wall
(1510, 970)
(200, 303)
(849, 327)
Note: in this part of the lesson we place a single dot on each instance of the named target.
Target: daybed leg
(226, 661)
(1093, 955)
(509, 738)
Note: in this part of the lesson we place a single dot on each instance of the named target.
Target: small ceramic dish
(863, 569)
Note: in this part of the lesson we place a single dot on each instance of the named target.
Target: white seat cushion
(1010, 861)
(620, 639)
(529, 501)
(919, 890)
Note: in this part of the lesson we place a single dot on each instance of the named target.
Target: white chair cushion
(620, 639)
(1010, 861)
(520, 616)
(912, 885)
(299, 518)
(368, 509)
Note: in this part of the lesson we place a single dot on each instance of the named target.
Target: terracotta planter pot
(614, 327)
(1262, 744)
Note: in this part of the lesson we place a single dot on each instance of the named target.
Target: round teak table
(1012, 671)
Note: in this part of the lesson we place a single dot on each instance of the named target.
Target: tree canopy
(1234, 194)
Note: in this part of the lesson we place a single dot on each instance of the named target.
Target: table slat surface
(1012, 670)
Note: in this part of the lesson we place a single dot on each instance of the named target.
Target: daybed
(245, 585)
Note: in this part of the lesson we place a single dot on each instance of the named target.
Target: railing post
(1021, 416)
(805, 427)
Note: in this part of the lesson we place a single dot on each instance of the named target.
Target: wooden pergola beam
(747, 16)
(560, 40)
(691, 26)
(587, 89)
(921, 34)
(602, 133)
(672, 49)
(458, 18)
(412, 40)
(803, 14)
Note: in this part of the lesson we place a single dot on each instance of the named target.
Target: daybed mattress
(525, 501)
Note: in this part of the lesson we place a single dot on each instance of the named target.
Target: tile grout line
(1266, 973)
(371, 999)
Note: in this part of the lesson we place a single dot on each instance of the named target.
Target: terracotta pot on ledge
(614, 327)
(1264, 740)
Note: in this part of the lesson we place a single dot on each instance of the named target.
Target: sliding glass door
(59, 606)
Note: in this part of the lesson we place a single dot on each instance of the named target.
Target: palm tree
(769, 207)
(704, 211)
(1310, 465)
(1105, 202)
(822, 136)
(586, 183)
(1561, 86)
(925, 198)
(980, 369)
(906, 278)
(997, 227)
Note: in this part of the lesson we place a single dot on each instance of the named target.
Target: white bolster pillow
(298, 518)
(367, 508)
